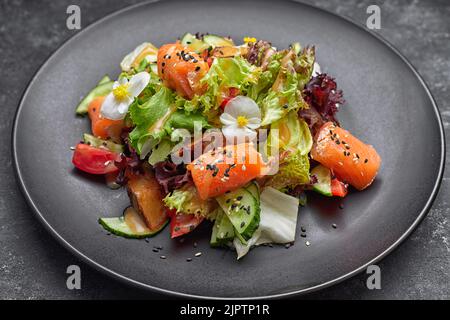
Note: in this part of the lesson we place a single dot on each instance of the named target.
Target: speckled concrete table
(33, 264)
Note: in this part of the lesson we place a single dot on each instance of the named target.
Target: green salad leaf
(149, 119)
(285, 94)
(293, 134)
(156, 118)
(161, 151)
(224, 73)
(186, 200)
(293, 171)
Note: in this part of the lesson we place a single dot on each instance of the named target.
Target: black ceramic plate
(388, 105)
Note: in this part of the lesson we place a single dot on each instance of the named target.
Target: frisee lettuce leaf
(224, 73)
(186, 200)
(293, 171)
(285, 94)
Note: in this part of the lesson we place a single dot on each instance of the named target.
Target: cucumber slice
(99, 91)
(130, 225)
(97, 142)
(323, 185)
(253, 188)
(223, 230)
(243, 210)
(240, 237)
(193, 43)
(216, 41)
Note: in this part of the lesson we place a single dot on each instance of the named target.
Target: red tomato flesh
(94, 160)
(182, 223)
(338, 188)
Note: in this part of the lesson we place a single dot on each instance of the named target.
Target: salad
(204, 129)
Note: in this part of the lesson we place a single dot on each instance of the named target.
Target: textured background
(33, 264)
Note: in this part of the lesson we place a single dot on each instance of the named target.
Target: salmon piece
(181, 69)
(226, 169)
(146, 197)
(350, 159)
(102, 127)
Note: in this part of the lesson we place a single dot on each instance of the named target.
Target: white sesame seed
(198, 254)
(72, 148)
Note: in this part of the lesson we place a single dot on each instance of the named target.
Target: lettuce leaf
(181, 119)
(161, 151)
(278, 221)
(293, 171)
(293, 134)
(186, 200)
(224, 73)
(147, 118)
(285, 94)
(266, 78)
(156, 118)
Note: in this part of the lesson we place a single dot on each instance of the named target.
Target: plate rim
(128, 281)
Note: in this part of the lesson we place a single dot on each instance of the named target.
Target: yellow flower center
(121, 92)
(249, 40)
(242, 121)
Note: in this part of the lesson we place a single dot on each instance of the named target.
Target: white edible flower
(124, 92)
(241, 118)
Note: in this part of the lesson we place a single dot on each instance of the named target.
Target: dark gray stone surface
(33, 264)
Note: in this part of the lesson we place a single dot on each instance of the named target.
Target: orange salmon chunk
(350, 159)
(181, 69)
(225, 169)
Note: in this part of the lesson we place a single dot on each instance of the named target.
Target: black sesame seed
(189, 259)
(366, 160)
(155, 250)
(242, 224)
(303, 229)
(239, 198)
(197, 68)
(303, 235)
